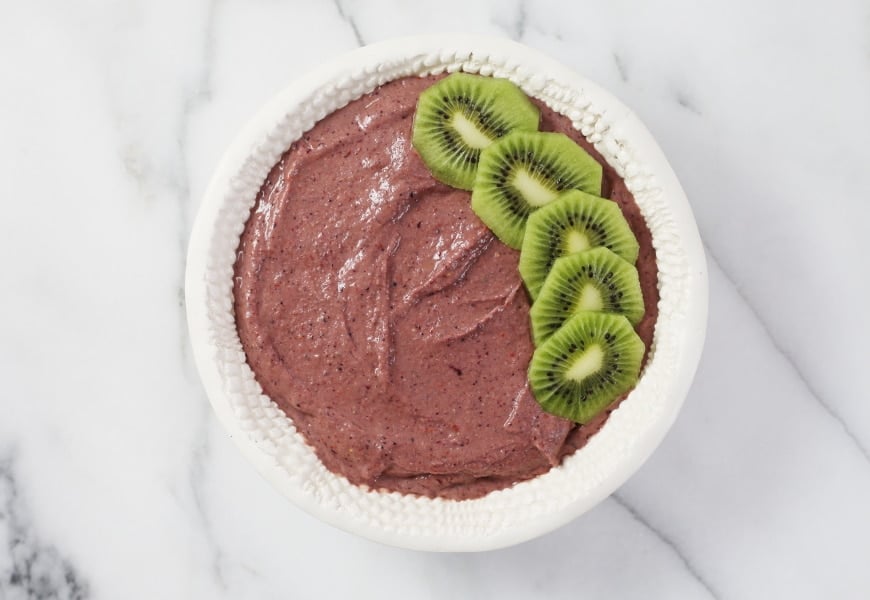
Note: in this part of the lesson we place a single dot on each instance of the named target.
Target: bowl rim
(623, 141)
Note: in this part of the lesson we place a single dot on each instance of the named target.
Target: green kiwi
(524, 171)
(574, 222)
(587, 364)
(462, 114)
(593, 280)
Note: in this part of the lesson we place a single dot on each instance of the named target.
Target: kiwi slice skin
(574, 222)
(592, 360)
(460, 115)
(524, 171)
(594, 280)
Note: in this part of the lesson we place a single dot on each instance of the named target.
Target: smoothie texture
(386, 320)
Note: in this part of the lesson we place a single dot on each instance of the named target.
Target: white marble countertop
(116, 480)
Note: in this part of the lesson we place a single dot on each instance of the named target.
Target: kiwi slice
(524, 171)
(587, 364)
(593, 280)
(462, 114)
(574, 222)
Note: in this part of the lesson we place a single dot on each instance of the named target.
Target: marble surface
(116, 481)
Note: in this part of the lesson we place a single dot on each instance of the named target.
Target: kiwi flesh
(593, 280)
(462, 114)
(524, 171)
(574, 222)
(588, 363)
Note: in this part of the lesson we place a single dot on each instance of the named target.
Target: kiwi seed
(574, 222)
(524, 171)
(462, 114)
(588, 363)
(593, 280)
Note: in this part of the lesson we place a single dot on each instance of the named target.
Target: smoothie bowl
(394, 341)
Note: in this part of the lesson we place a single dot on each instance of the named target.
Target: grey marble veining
(788, 357)
(30, 567)
(350, 22)
(690, 568)
(113, 116)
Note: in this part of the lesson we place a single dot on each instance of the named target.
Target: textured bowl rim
(509, 516)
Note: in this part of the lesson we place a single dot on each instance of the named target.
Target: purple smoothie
(388, 322)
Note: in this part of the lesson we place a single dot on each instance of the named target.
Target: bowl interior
(268, 438)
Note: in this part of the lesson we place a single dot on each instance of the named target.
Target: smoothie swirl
(386, 320)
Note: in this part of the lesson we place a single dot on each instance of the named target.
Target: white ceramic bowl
(267, 437)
